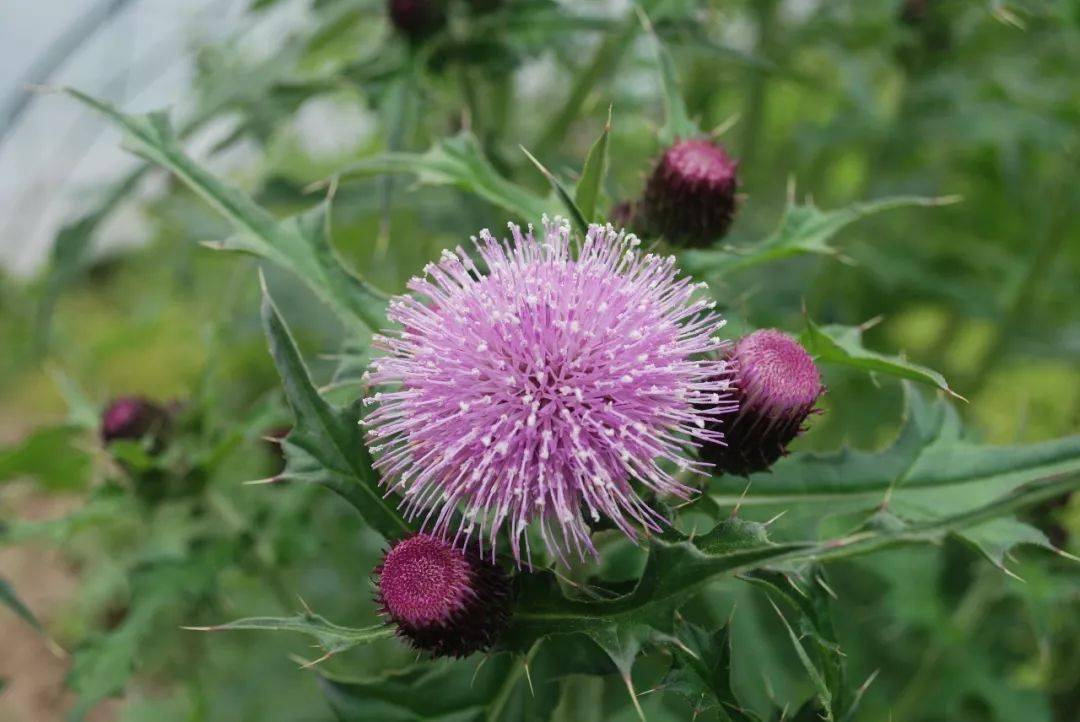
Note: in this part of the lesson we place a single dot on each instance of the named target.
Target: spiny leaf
(300, 245)
(803, 230)
(701, 672)
(326, 444)
(842, 345)
(444, 691)
(996, 538)
(811, 600)
(675, 570)
(930, 474)
(592, 175)
(678, 568)
(824, 694)
(677, 122)
(331, 637)
(930, 466)
(460, 162)
(556, 185)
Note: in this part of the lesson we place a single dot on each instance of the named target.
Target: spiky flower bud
(417, 19)
(132, 418)
(444, 600)
(690, 198)
(776, 384)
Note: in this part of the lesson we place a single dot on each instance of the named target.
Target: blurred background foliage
(842, 101)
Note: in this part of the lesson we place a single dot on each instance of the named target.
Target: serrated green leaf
(459, 162)
(331, 637)
(996, 538)
(842, 345)
(11, 600)
(592, 175)
(300, 245)
(443, 691)
(701, 673)
(803, 229)
(675, 570)
(326, 443)
(929, 466)
(822, 691)
(568, 202)
(812, 601)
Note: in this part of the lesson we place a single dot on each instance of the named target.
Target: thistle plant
(535, 479)
(538, 389)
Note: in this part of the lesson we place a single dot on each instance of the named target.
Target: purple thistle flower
(443, 600)
(539, 389)
(132, 418)
(776, 384)
(690, 198)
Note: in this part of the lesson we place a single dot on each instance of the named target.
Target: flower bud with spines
(132, 418)
(691, 196)
(776, 384)
(443, 600)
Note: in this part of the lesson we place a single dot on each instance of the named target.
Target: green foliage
(843, 345)
(803, 229)
(300, 244)
(332, 638)
(850, 582)
(590, 185)
(701, 672)
(48, 455)
(457, 161)
(326, 445)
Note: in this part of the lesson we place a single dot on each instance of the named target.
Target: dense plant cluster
(553, 430)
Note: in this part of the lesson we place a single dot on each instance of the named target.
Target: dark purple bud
(133, 417)
(776, 385)
(417, 19)
(444, 601)
(690, 198)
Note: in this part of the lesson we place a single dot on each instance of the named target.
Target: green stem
(765, 17)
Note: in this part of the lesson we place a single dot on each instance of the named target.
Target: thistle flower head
(132, 418)
(417, 19)
(776, 384)
(537, 389)
(690, 198)
(443, 600)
